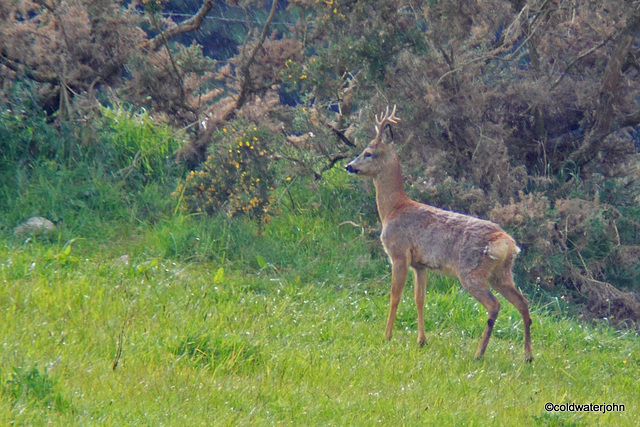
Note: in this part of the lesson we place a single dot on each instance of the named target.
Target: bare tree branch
(246, 89)
(16, 66)
(245, 68)
(186, 26)
(632, 119)
(300, 162)
(195, 22)
(578, 58)
(337, 132)
(115, 64)
(604, 124)
(496, 54)
(332, 162)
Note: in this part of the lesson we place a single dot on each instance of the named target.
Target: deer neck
(389, 189)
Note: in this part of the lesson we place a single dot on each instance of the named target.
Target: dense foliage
(524, 112)
(237, 176)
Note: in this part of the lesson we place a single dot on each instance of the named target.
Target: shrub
(238, 176)
(575, 243)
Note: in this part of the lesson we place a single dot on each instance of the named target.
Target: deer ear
(387, 135)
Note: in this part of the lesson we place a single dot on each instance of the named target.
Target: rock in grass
(34, 225)
(124, 259)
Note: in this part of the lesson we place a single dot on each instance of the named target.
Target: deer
(425, 238)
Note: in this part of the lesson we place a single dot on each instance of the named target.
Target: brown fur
(423, 237)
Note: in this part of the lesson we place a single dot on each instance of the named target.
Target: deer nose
(351, 169)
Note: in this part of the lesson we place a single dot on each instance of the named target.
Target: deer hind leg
(420, 285)
(481, 292)
(504, 284)
(398, 278)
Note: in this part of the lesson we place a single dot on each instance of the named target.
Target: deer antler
(385, 119)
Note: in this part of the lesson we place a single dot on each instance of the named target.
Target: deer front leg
(420, 285)
(398, 278)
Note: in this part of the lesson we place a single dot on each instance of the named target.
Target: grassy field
(205, 322)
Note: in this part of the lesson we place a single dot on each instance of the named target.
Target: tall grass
(74, 175)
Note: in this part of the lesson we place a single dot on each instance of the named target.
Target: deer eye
(367, 155)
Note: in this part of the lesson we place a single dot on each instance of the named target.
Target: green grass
(212, 325)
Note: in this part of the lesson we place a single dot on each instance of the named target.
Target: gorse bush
(238, 176)
(575, 243)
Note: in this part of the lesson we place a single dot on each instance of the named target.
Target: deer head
(378, 152)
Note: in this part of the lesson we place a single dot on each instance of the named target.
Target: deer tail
(502, 247)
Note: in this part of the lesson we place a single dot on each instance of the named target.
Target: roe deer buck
(425, 238)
